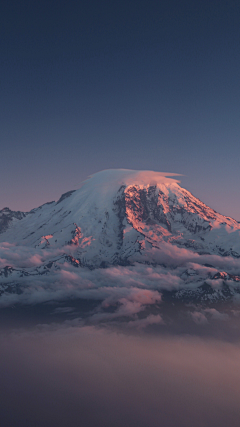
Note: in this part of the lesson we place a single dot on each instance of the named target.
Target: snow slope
(120, 215)
(122, 218)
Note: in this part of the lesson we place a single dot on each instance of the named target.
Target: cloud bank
(42, 276)
(103, 378)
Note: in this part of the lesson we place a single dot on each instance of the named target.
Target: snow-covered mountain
(6, 217)
(118, 218)
(118, 215)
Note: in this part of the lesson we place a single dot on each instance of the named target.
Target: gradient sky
(94, 85)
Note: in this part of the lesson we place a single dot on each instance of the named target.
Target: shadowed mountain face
(7, 216)
(137, 220)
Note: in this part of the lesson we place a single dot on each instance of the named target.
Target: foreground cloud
(55, 376)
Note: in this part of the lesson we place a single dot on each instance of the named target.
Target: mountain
(118, 215)
(7, 216)
(124, 218)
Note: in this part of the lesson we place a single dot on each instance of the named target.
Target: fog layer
(72, 376)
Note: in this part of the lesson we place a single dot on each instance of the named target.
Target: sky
(87, 86)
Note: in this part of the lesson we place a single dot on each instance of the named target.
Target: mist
(69, 375)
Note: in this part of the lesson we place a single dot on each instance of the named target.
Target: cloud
(55, 376)
(199, 318)
(216, 283)
(173, 256)
(149, 320)
(25, 256)
(202, 317)
(215, 314)
(120, 291)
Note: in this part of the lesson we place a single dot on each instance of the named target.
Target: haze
(66, 376)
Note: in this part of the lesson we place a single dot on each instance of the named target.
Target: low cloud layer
(122, 291)
(102, 378)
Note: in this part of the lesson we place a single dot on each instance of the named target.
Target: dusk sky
(87, 86)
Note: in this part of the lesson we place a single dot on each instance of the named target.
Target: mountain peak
(121, 214)
(122, 217)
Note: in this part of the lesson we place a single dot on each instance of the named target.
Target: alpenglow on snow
(122, 219)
